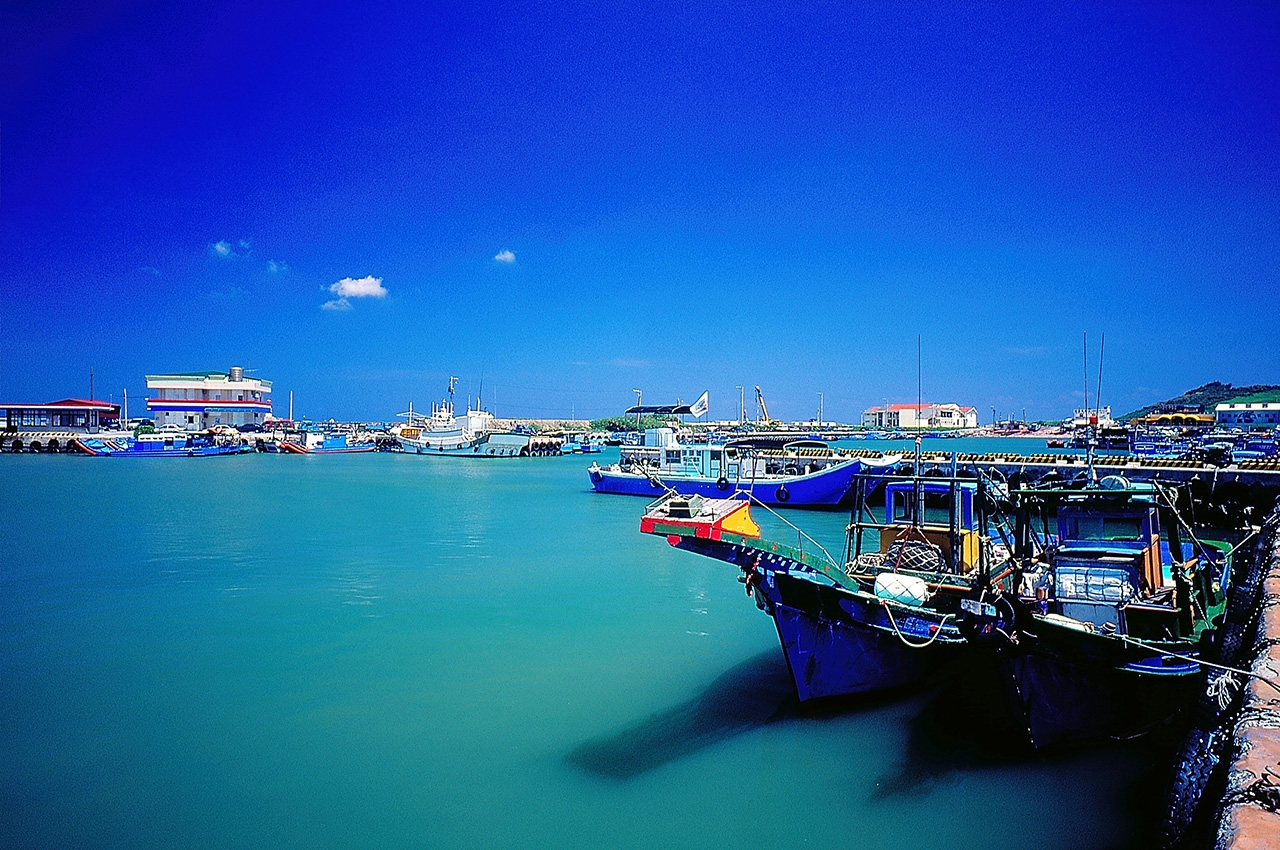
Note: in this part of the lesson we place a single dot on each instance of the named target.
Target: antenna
(919, 394)
(1086, 377)
(1102, 349)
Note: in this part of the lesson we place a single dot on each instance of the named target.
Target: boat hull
(1070, 686)
(825, 488)
(839, 645)
(487, 445)
(97, 448)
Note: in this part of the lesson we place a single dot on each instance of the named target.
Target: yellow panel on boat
(740, 522)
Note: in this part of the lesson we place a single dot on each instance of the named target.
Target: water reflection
(751, 694)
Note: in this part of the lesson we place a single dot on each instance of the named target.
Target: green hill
(1211, 395)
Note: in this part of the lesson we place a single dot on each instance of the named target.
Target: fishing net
(913, 555)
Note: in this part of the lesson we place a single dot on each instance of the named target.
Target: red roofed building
(70, 414)
(933, 417)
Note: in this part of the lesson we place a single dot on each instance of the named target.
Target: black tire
(722, 483)
(783, 494)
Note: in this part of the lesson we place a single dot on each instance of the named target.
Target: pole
(820, 400)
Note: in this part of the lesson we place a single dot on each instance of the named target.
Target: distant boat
(803, 474)
(160, 444)
(1056, 443)
(473, 434)
(310, 443)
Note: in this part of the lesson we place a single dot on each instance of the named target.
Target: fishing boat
(1101, 636)
(313, 443)
(473, 434)
(160, 444)
(800, 474)
(881, 617)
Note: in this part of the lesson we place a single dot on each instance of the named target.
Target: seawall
(1249, 814)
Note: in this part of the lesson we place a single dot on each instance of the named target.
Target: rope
(751, 497)
(1220, 689)
(904, 640)
(1166, 653)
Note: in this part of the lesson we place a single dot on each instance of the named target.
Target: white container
(895, 587)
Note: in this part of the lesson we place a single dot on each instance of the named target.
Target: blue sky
(569, 201)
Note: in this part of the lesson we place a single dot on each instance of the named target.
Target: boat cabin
(940, 514)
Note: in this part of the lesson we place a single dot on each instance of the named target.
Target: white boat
(473, 434)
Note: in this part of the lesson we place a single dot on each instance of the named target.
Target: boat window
(715, 455)
(1108, 528)
(673, 456)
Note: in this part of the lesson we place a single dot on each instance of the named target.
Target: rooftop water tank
(237, 373)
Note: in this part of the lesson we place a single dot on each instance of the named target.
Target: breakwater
(1225, 787)
(1249, 812)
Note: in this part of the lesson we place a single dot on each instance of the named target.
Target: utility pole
(820, 401)
(742, 405)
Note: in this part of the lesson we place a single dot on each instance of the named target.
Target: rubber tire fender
(782, 493)
(722, 483)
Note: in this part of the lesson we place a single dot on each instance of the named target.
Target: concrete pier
(1250, 811)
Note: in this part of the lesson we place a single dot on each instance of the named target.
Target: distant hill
(1211, 395)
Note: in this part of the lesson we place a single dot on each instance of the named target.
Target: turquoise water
(402, 652)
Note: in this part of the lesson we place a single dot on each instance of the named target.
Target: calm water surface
(394, 651)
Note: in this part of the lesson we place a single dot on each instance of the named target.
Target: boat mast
(1089, 419)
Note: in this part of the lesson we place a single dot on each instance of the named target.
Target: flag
(700, 406)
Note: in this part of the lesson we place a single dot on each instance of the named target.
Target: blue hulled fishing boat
(881, 617)
(161, 444)
(1101, 637)
(802, 474)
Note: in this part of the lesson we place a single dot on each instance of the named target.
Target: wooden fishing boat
(881, 617)
(1102, 636)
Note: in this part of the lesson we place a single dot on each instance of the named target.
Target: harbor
(340, 651)
(640, 426)
(729, 694)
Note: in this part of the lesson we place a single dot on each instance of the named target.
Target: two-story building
(197, 401)
(934, 417)
(1261, 414)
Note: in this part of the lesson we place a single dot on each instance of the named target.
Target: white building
(1254, 413)
(934, 417)
(1080, 416)
(197, 401)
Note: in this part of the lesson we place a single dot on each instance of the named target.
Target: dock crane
(764, 411)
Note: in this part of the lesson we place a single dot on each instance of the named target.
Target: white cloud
(277, 266)
(505, 256)
(348, 288)
(365, 287)
(222, 249)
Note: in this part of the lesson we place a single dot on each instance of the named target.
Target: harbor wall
(1249, 813)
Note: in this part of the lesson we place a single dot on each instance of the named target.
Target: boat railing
(801, 536)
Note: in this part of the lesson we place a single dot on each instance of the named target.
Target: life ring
(722, 483)
(783, 494)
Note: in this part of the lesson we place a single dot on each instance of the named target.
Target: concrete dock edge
(1249, 816)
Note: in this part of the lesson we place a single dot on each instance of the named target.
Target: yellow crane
(764, 411)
